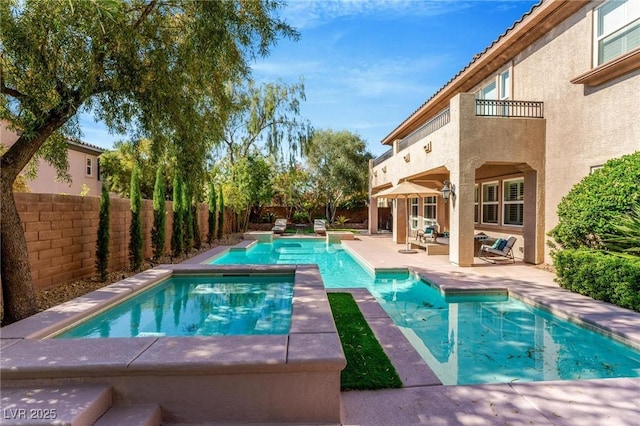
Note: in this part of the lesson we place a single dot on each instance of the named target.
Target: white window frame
(88, 167)
(431, 201)
(476, 203)
(414, 203)
(629, 21)
(505, 202)
(504, 88)
(485, 202)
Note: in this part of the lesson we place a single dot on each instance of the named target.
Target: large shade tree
(339, 164)
(138, 65)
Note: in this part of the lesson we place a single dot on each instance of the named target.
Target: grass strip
(368, 367)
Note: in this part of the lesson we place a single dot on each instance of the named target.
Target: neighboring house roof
(87, 148)
(530, 27)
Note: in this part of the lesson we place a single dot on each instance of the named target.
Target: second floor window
(89, 166)
(617, 29)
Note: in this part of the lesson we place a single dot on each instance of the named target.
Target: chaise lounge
(500, 250)
(280, 226)
(320, 226)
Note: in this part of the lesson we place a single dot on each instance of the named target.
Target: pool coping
(311, 315)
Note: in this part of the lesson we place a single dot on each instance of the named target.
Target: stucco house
(552, 99)
(84, 168)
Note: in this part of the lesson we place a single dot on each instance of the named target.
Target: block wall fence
(61, 233)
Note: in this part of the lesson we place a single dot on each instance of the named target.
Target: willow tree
(137, 65)
(265, 118)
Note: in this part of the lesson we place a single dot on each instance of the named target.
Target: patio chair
(280, 226)
(428, 233)
(320, 226)
(499, 250)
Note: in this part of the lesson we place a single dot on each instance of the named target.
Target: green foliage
(593, 206)
(625, 240)
(293, 189)
(213, 217)
(368, 367)
(118, 164)
(187, 218)
(177, 234)
(220, 226)
(250, 187)
(102, 243)
(262, 117)
(158, 232)
(301, 217)
(600, 276)
(341, 220)
(339, 165)
(135, 230)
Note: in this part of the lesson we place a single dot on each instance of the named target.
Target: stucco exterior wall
(586, 126)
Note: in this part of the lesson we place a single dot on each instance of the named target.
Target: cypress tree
(197, 239)
(102, 244)
(220, 225)
(188, 218)
(212, 213)
(135, 230)
(158, 233)
(177, 231)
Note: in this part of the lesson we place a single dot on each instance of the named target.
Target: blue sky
(367, 65)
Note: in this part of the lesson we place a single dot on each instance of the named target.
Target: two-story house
(84, 168)
(553, 98)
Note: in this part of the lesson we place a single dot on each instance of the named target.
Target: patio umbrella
(407, 190)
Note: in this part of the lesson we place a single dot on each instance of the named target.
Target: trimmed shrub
(600, 276)
(158, 233)
(102, 244)
(593, 206)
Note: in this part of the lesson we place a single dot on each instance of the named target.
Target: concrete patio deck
(423, 400)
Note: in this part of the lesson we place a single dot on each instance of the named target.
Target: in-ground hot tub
(292, 377)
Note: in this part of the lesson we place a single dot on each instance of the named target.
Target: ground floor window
(476, 205)
(490, 203)
(414, 213)
(513, 202)
(429, 211)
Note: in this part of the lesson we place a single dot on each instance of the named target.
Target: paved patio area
(424, 401)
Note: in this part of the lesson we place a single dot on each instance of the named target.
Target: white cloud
(304, 14)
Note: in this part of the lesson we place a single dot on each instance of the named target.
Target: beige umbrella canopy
(406, 190)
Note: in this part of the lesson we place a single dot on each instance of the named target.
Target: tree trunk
(18, 293)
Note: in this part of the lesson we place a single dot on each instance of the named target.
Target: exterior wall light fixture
(448, 190)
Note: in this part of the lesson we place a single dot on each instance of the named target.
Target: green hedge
(600, 276)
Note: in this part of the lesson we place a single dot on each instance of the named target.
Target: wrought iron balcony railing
(520, 109)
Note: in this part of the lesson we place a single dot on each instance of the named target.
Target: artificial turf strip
(368, 367)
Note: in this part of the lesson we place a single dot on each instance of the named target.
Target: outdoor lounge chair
(280, 226)
(320, 226)
(500, 250)
(428, 233)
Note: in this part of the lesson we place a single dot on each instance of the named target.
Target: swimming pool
(465, 339)
(193, 305)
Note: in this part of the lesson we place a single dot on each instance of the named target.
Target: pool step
(132, 415)
(72, 405)
(61, 405)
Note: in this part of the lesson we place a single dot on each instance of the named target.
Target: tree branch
(147, 10)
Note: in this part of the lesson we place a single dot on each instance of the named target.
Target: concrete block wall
(61, 233)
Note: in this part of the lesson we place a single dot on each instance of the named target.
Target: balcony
(516, 109)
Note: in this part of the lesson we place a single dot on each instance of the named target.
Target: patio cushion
(502, 244)
(497, 243)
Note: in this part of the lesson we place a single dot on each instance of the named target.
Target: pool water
(338, 268)
(464, 339)
(497, 339)
(191, 305)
